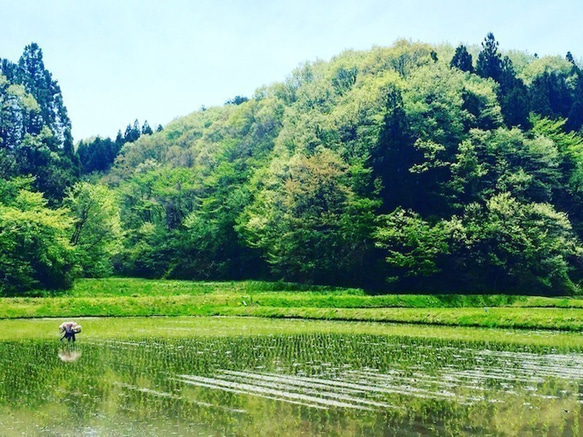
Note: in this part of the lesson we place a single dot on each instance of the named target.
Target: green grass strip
(130, 297)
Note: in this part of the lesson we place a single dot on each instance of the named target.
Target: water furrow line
(248, 389)
(310, 390)
(403, 390)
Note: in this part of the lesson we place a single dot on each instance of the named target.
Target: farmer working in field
(69, 329)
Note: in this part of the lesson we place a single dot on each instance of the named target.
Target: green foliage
(413, 246)
(570, 149)
(98, 154)
(210, 247)
(508, 245)
(545, 65)
(237, 100)
(97, 230)
(303, 218)
(153, 204)
(34, 247)
(505, 161)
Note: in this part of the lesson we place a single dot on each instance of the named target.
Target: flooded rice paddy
(154, 377)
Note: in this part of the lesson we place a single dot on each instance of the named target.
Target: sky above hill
(155, 60)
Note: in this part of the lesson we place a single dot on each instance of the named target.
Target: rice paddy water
(244, 376)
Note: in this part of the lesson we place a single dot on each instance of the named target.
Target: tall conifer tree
(462, 60)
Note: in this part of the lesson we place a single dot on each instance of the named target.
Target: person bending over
(69, 329)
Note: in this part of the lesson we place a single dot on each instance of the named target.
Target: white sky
(155, 60)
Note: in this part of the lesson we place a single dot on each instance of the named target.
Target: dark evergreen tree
(489, 63)
(83, 154)
(8, 69)
(539, 96)
(550, 95)
(35, 129)
(237, 100)
(38, 81)
(119, 139)
(97, 155)
(575, 119)
(12, 118)
(462, 60)
(132, 132)
(514, 104)
(512, 92)
(146, 129)
(394, 155)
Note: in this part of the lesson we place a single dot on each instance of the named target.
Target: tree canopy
(411, 167)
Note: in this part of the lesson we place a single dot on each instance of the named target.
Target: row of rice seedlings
(266, 351)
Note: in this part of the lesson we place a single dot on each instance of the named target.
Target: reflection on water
(305, 384)
(69, 355)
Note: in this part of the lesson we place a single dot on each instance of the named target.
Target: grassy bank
(117, 297)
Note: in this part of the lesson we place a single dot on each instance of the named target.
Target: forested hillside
(412, 168)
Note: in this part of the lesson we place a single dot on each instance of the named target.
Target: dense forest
(411, 168)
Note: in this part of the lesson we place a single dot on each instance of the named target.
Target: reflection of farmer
(69, 356)
(69, 329)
